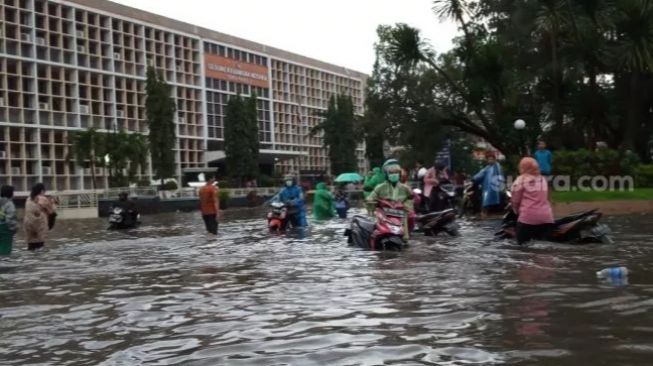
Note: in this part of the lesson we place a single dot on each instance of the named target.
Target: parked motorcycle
(386, 233)
(121, 218)
(579, 228)
(432, 223)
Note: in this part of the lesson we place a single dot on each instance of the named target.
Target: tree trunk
(557, 81)
(93, 174)
(632, 120)
(595, 113)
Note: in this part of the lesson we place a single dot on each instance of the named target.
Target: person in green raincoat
(392, 189)
(8, 220)
(373, 179)
(323, 203)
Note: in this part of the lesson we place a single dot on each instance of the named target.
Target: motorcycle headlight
(395, 229)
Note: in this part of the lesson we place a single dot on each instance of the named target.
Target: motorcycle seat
(574, 217)
(365, 223)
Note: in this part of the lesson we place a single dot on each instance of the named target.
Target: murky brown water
(164, 295)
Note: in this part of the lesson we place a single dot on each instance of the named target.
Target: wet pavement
(164, 294)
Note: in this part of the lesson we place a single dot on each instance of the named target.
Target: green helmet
(388, 163)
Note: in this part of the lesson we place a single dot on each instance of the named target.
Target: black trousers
(526, 233)
(34, 246)
(211, 223)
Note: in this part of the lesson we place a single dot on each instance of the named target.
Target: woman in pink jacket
(530, 201)
(434, 176)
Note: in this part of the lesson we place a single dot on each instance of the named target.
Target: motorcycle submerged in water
(432, 223)
(386, 233)
(579, 228)
(121, 218)
(279, 216)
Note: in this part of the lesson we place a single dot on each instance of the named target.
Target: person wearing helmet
(293, 196)
(392, 189)
(128, 206)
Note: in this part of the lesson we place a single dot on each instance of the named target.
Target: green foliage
(127, 156)
(160, 113)
(88, 149)
(170, 186)
(582, 162)
(340, 137)
(576, 71)
(644, 176)
(593, 196)
(241, 135)
(224, 196)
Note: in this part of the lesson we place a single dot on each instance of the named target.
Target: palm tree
(549, 22)
(88, 147)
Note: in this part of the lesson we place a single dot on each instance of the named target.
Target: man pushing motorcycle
(393, 190)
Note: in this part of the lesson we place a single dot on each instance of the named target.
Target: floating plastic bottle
(613, 272)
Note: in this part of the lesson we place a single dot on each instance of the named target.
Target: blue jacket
(491, 178)
(295, 195)
(544, 159)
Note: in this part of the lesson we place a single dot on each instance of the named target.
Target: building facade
(68, 66)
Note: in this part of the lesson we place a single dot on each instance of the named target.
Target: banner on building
(223, 68)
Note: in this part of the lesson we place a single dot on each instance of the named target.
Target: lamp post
(519, 125)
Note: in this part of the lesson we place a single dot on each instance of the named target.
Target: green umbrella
(349, 177)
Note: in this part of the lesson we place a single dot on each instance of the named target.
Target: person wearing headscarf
(393, 190)
(434, 176)
(491, 180)
(323, 203)
(530, 201)
(38, 211)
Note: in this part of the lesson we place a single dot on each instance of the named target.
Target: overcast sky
(337, 31)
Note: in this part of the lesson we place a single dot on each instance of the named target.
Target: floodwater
(165, 295)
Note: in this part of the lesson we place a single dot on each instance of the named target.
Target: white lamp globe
(520, 124)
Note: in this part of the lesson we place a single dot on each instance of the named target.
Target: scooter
(432, 223)
(446, 195)
(279, 216)
(579, 228)
(387, 233)
(120, 218)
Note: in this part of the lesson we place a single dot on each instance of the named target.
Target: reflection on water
(165, 295)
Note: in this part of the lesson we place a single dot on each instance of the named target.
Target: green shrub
(644, 176)
(224, 196)
(607, 162)
(170, 186)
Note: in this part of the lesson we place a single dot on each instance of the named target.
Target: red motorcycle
(387, 233)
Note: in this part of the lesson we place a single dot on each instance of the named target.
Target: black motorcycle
(434, 223)
(579, 228)
(121, 218)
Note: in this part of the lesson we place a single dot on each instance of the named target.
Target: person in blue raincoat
(492, 183)
(293, 195)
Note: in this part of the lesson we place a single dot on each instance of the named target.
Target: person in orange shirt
(210, 205)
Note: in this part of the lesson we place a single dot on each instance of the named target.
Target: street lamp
(520, 124)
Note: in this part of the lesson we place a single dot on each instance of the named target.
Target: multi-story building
(70, 65)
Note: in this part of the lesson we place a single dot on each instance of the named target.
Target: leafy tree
(127, 155)
(88, 149)
(241, 138)
(340, 135)
(578, 71)
(160, 112)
